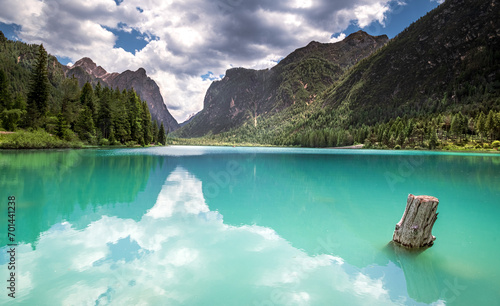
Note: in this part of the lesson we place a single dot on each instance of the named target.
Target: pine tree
(464, 124)
(85, 125)
(135, 117)
(121, 123)
(459, 125)
(38, 95)
(455, 126)
(481, 125)
(490, 124)
(497, 125)
(70, 97)
(433, 140)
(98, 90)
(87, 99)
(5, 96)
(162, 138)
(61, 127)
(471, 126)
(154, 131)
(112, 138)
(146, 123)
(105, 118)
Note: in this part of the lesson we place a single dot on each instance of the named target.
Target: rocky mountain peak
(313, 44)
(145, 87)
(91, 67)
(141, 71)
(344, 53)
(361, 39)
(86, 63)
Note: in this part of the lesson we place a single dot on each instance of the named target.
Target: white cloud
(302, 3)
(366, 14)
(193, 36)
(340, 37)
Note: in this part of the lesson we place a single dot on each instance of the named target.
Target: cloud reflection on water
(180, 252)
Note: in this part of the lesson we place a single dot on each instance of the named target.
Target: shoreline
(354, 147)
(50, 143)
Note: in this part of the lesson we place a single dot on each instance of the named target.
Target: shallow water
(247, 226)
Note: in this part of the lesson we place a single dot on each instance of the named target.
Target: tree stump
(414, 230)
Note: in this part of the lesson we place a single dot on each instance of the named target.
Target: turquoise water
(247, 226)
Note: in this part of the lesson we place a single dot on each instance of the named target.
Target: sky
(186, 45)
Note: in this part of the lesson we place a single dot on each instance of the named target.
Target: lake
(246, 226)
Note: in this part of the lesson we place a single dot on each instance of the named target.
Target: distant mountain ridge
(246, 94)
(86, 70)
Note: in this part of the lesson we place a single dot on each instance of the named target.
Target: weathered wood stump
(414, 230)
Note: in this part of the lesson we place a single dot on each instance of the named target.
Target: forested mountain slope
(449, 60)
(435, 84)
(247, 95)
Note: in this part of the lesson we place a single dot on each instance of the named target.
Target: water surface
(248, 226)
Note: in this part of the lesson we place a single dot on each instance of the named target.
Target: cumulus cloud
(340, 37)
(186, 39)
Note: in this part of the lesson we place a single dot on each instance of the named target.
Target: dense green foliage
(34, 94)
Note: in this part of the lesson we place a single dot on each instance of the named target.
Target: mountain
(436, 84)
(85, 70)
(246, 95)
(448, 60)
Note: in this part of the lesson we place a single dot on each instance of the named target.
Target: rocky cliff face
(244, 95)
(85, 70)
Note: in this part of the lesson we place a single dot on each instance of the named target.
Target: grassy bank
(38, 139)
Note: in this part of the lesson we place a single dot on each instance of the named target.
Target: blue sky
(185, 45)
(397, 20)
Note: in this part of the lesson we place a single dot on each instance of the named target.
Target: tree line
(430, 132)
(433, 131)
(96, 116)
